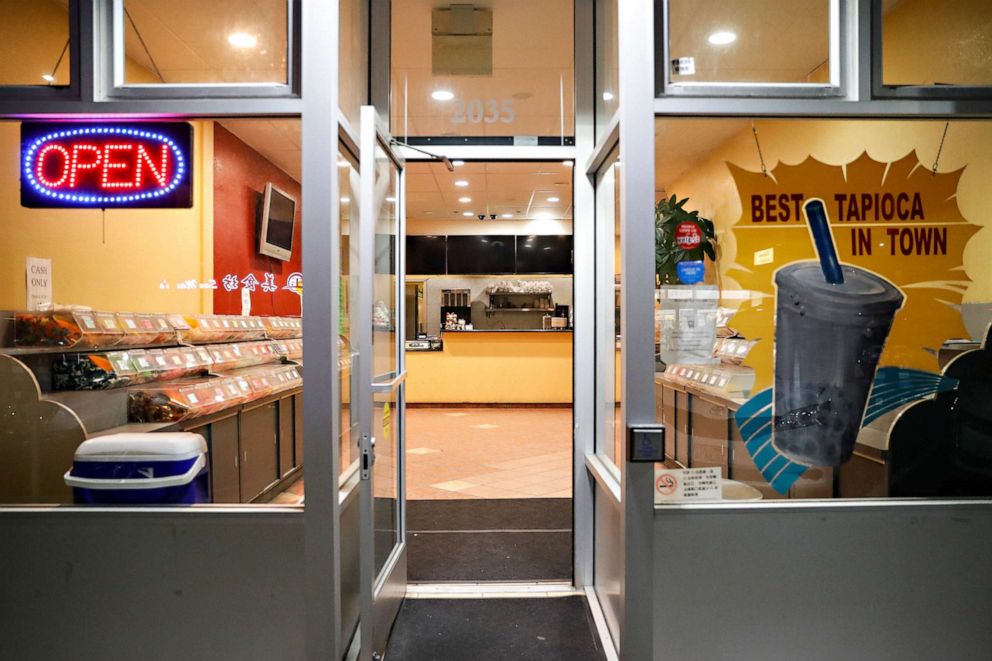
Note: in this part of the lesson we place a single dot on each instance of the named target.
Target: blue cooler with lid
(140, 469)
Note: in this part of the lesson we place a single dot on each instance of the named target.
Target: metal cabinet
(666, 397)
(683, 438)
(259, 449)
(709, 422)
(298, 429)
(286, 437)
(742, 467)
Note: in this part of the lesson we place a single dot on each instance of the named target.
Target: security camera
(482, 216)
(492, 216)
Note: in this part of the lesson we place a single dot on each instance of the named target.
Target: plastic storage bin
(67, 328)
(140, 469)
(97, 371)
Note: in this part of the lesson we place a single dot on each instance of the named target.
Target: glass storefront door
(381, 365)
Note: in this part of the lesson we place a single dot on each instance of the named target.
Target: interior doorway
(489, 361)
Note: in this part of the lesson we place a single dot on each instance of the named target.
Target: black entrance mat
(494, 630)
(490, 514)
(527, 539)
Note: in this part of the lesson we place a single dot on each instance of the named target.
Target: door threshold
(492, 590)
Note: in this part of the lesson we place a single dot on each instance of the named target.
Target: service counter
(493, 367)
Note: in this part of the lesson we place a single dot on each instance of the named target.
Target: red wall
(240, 175)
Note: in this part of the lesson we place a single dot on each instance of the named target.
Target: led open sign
(106, 165)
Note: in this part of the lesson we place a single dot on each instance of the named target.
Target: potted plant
(682, 239)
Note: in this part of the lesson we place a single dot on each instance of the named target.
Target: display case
(67, 329)
(281, 328)
(96, 371)
(292, 349)
(164, 403)
(143, 329)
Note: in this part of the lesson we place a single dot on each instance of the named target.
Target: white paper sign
(245, 302)
(687, 484)
(39, 279)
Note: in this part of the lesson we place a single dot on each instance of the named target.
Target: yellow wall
(712, 190)
(493, 368)
(113, 260)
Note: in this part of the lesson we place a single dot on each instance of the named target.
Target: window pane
(797, 370)
(348, 296)
(353, 67)
(151, 283)
(608, 312)
(937, 43)
(607, 63)
(34, 43)
(501, 70)
(221, 41)
(759, 41)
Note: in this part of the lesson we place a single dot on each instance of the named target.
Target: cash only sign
(899, 220)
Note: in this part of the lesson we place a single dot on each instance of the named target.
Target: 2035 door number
(489, 111)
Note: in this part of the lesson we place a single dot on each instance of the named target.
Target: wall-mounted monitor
(482, 254)
(544, 254)
(275, 236)
(425, 255)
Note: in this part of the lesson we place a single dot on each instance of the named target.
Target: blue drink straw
(819, 227)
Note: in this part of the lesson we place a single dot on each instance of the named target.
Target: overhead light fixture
(461, 183)
(345, 200)
(567, 164)
(464, 200)
(343, 163)
(507, 215)
(242, 40)
(458, 164)
(607, 96)
(47, 77)
(554, 199)
(390, 199)
(722, 38)
(467, 214)
(442, 95)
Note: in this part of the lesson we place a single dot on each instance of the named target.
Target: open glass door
(383, 548)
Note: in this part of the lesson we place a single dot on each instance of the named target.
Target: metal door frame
(382, 595)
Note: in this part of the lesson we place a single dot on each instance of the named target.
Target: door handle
(386, 387)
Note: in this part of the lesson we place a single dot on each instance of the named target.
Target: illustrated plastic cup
(831, 321)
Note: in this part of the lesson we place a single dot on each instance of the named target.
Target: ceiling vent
(462, 41)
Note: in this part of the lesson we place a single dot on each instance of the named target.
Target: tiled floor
(465, 453)
(489, 453)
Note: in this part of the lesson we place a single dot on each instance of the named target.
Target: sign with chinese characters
(687, 484)
(106, 165)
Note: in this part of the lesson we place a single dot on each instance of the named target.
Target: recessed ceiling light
(722, 38)
(345, 200)
(442, 95)
(461, 183)
(507, 215)
(390, 199)
(242, 40)
(464, 200)
(48, 77)
(467, 214)
(553, 199)
(607, 96)
(567, 164)
(343, 163)
(458, 164)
